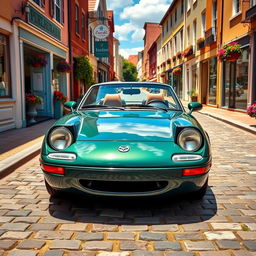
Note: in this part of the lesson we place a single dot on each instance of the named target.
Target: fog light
(53, 169)
(186, 157)
(62, 156)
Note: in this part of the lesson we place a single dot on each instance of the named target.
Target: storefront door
(38, 87)
(236, 83)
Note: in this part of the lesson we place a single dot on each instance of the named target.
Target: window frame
(83, 22)
(77, 19)
(236, 7)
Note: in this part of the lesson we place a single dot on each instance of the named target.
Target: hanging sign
(101, 49)
(101, 31)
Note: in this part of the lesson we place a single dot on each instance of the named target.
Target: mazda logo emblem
(123, 149)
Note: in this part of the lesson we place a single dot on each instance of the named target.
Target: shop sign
(101, 31)
(101, 49)
(40, 21)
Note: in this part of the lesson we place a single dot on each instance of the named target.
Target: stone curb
(233, 123)
(11, 163)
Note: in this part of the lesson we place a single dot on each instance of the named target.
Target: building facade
(29, 30)
(118, 63)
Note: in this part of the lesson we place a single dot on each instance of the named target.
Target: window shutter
(62, 11)
(52, 5)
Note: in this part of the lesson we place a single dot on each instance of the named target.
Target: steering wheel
(158, 101)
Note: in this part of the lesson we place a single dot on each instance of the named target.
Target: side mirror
(194, 106)
(70, 105)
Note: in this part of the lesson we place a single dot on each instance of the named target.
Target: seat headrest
(112, 100)
(153, 96)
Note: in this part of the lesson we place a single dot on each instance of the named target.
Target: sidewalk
(18, 145)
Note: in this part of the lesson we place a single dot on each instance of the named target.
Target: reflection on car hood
(126, 125)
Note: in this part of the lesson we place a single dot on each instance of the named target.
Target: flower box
(230, 52)
(168, 61)
(37, 60)
(63, 67)
(200, 42)
(251, 110)
(179, 55)
(188, 51)
(177, 71)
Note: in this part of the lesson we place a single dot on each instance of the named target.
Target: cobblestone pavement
(222, 224)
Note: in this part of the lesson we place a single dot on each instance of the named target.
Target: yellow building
(172, 45)
(195, 25)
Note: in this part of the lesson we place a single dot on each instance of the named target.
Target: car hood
(126, 125)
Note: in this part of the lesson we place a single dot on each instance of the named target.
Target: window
(175, 44)
(57, 10)
(167, 27)
(41, 3)
(5, 87)
(77, 19)
(253, 2)
(236, 6)
(182, 7)
(188, 35)
(212, 90)
(91, 41)
(194, 32)
(203, 20)
(171, 21)
(214, 19)
(181, 40)
(175, 14)
(83, 26)
(188, 5)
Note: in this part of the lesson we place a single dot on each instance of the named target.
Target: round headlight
(190, 139)
(60, 138)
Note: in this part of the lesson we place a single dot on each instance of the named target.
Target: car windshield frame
(179, 106)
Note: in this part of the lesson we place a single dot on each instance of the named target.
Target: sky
(129, 18)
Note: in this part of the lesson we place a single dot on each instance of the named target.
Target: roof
(168, 11)
(133, 59)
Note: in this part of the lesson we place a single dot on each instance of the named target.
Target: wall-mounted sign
(40, 21)
(101, 31)
(101, 49)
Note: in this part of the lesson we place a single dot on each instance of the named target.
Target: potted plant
(168, 61)
(32, 101)
(200, 42)
(193, 95)
(162, 74)
(63, 67)
(230, 52)
(179, 55)
(251, 110)
(37, 60)
(174, 58)
(188, 51)
(59, 98)
(177, 71)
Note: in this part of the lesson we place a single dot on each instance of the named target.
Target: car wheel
(201, 192)
(52, 192)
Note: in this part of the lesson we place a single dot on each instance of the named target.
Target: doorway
(204, 81)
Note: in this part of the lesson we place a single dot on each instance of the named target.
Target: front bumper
(76, 177)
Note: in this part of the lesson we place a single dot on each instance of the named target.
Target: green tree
(129, 71)
(84, 70)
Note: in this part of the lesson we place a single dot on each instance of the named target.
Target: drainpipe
(70, 49)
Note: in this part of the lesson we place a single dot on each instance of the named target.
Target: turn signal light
(53, 169)
(195, 171)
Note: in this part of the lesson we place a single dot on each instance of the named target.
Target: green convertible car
(127, 139)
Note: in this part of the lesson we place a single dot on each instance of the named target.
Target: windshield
(131, 96)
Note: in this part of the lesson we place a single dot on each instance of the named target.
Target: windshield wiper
(103, 106)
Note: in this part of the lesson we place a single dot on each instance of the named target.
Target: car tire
(201, 192)
(52, 192)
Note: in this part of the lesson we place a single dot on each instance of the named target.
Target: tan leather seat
(112, 100)
(152, 96)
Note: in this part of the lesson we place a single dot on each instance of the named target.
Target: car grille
(123, 186)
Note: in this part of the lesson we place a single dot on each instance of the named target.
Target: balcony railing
(210, 36)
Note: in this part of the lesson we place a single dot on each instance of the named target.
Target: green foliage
(129, 71)
(84, 70)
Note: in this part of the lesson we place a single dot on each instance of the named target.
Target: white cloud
(138, 35)
(145, 11)
(117, 4)
(122, 32)
(125, 52)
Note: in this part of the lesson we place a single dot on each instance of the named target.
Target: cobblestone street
(222, 224)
